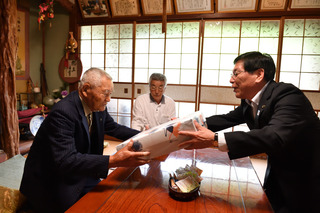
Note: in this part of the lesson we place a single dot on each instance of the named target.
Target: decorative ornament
(71, 45)
(70, 66)
(45, 11)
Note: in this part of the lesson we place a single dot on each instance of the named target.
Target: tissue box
(164, 139)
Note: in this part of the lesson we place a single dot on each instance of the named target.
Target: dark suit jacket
(288, 131)
(63, 155)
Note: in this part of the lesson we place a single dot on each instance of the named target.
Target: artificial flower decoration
(45, 11)
(59, 94)
(64, 93)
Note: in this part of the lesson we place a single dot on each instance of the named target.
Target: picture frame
(304, 4)
(193, 6)
(273, 5)
(121, 8)
(227, 6)
(22, 62)
(154, 7)
(94, 9)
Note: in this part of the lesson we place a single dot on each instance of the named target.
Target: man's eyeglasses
(107, 94)
(153, 88)
(235, 74)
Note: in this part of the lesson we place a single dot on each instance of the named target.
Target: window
(120, 111)
(149, 53)
(301, 53)
(92, 46)
(119, 51)
(176, 51)
(225, 40)
(183, 55)
(182, 46)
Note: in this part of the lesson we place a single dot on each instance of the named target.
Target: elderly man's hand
(128, 158)
(200, 139)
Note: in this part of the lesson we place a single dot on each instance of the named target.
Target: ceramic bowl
(182, 196)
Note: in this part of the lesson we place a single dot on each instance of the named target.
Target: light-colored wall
(55, 39)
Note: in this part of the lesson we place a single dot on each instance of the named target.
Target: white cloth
(148, 112)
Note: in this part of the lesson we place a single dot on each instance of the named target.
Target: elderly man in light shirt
(154, 108)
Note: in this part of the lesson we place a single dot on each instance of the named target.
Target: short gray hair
(158, 77)
(93, 76)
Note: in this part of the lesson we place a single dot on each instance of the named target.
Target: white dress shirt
(254, 103)
(147, 112)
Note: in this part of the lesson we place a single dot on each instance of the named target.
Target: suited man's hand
(203, 138)
(126, 157)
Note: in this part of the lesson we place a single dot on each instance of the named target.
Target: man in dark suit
(282, 124)
(65, 160)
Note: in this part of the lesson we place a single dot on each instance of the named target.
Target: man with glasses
(154, 108)
(282, 124)
(65, 160)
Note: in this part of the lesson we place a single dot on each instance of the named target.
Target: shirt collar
(152, 99)
(257, 97)
(86, 109)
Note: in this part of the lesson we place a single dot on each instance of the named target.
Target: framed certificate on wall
(154, 7)
(236, 5)
(273, 5)
(193, 6)
(304, 4)
(125, 8)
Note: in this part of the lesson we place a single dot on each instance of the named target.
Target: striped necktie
(89, 117)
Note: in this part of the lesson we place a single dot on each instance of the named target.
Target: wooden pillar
(8, 54)
(73, 27)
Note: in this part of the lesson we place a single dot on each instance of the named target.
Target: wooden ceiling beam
(66, 5)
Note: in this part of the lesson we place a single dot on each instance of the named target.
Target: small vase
(48, 101)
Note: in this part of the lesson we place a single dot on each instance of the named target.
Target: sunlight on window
(141, 75)
(149, 57)
(225, 40)
(176, 53)
(98, 60)
(301, 53)
(184, 109)
(98, 32)
(173, 76)
(118, 57)
(182, 47)
(120, 111)
(249, 44)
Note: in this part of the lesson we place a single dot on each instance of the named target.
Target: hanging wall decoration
(22, 61)
(45, 11)
(70, 66)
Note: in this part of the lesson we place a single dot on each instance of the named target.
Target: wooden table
(227, 186)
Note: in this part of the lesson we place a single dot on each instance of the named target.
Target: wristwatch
(215, 141)
(216, 136)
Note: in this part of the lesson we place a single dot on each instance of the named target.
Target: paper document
(164, 139)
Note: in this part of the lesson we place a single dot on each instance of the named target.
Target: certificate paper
(164, 139)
